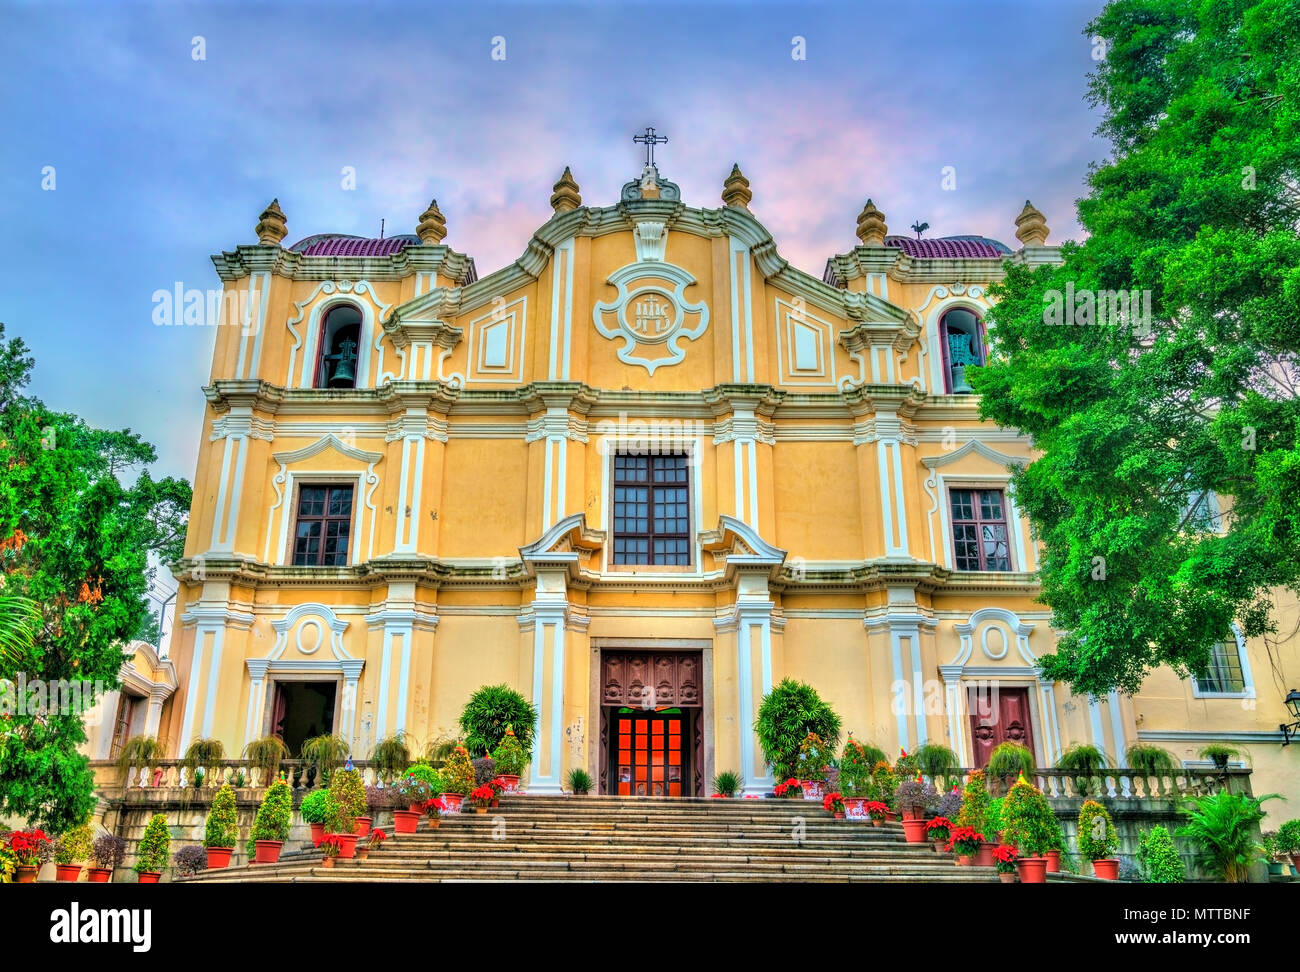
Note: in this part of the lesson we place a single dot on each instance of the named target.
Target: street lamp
(1289, 730)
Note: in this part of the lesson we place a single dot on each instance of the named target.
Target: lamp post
(1290, 729)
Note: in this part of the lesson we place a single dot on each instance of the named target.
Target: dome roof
(340, 244)
(979, 247)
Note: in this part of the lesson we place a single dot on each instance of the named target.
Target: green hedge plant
(274, 816)
(74, 846)
(786, 716)
(221, 829)
(151, 852)
(1027, 820)
(349, 792)
(1159, 858)
(1288, 837)
(510, 757)
(1098, 840)
(316, 806)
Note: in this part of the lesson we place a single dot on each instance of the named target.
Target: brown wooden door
(998, 714)
(650, 754)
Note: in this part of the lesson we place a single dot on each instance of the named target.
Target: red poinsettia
(331, 845)
(28, 846)
(1005, 858)
(483, 795)
(939, 828)
(377, 836)
(875, 809)
(965, 841)
(833, 802)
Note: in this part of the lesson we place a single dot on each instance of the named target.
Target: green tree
(1199, 207)
(78, 537)
(787, 714)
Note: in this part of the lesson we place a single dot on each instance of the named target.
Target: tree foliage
(1199, 206)
(786, 716)
(77, 537)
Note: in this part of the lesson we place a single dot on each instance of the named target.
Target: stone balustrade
(240, 773)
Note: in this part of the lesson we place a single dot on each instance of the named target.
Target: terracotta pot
(876, 821)
(416, 808)
(218, 857)
(940, 846)
(25, 875)
(495, 803)
(453, 801)
(148, 877)
(317, 832)
(839, 816)
(965, 860)
(812, 789)
(67, 872)
(268, 851)
(327, 862)
(1008, 878)
(1107, 869)
(480, 809)
(511, 782)
(349, 845)
(362, 826)
(1295, 862)
(405, 821)
(914, 831)
(363, 853)
(99, 875)
(853, 808)
(910, 813)
(890, 816)
(434, 822)
(1054, 862)
(1033, 870)
(984, 858)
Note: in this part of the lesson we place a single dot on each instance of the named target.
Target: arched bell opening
(340, 344)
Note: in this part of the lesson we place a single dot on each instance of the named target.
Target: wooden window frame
(687, 458)
(296, 518)
(979, 522)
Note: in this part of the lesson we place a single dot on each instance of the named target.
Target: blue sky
(161, 160)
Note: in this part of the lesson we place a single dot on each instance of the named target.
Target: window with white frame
(980, 531)
(1228, 672)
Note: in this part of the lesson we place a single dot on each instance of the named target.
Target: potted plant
(965, 844)
(372, 842)
(915, 797)
(1098, 840)
(1273, 854)
(877, 811)
(882, 774)
(973, 813)
(938, 830)
(814, 760)
(1086, 762)
(322, 755)
(72, 848)
(408, 797)
(1288, 841)
(457, 778)
(189, 860)
(331, 846)
(265, 755)
(489, 713)
(993, 818)
(32, 849)
(1028, 824)
(791, 789)
(834, 803)
(391, 757)
(938, 762)
(1055, 847)
(949, 804)
(107, 852)
(1148, 761)
(434, 809)
(1219, 754)
(855, 778)
(481, 797)
(151, 852)
(1005, 859)
(221, 829)
(511, 758)
(1222, 829)
(201, 756)
(145, 751)
(579, 781)
(316, 808)
(271, 823)
(1159, 858)
(1009, 761)
(727, 784)
(349, 792)
(786, 716)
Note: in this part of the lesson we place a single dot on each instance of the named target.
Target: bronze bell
(345, 369)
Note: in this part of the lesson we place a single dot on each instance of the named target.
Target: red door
(650, 753)
(998, 714)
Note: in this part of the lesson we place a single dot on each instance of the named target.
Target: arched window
(961, 342)
(337, 351)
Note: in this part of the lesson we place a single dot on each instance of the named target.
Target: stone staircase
(539, 838)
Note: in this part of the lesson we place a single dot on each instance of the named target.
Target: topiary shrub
(882, 776)
(428, 775)
(815, 758)
(73, 846)
(151, 853)
(274, 816)
(349, 792)
(975, 805)
(509, 755)
(1027, 820)
(786, 716)
(1159, 858)
(1288, 837)
(855, 769)
(490, 712)
(222, 826)
(1098, 840)
(316, 806)
(458, 772)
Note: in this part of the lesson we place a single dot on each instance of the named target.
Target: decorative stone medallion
(650, 314)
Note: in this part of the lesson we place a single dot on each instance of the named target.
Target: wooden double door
(651, 723)
(997, 714)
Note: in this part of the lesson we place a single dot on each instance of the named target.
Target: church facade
(641, 475)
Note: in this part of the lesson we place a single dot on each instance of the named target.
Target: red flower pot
(914, 831)
(839, 816)
(218, 857)
(910, 814)
(148, 877)
(268, 851)
(480, 809)
(853, 808)
(317, 832)
(362, 827)
(348, 848)
(67, 872)
(812, 789)
(1053, 862)
(405, 821)
(453, 801)
(327, 862)
(940, 846)
(1107, 869)
(99, 875)
(1007, 878)
(1295, 862)
(434, 822)
(511, 782)
(1033, 870)
(984, 858)
(25, 875)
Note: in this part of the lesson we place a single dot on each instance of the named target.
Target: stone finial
(432, 226)
(1031, 226)
(871, 225)
(271, 225)
(735, 190)
(566, 195)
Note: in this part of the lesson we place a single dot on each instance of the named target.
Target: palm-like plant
(489, 712)
(1222, 828)
(391, 756)
(1150, 761)
(1086, 761)
(936, 761)
(266, 754)
(324, 754)
(18, 620)
(788, 714)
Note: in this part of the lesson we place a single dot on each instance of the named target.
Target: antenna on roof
(381, 229)
(920, 228)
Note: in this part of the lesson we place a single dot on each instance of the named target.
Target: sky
(139, 139)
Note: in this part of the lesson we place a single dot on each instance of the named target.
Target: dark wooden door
(651, 753)
(998, 714)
